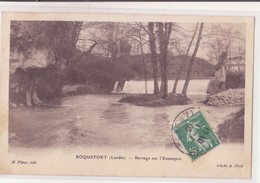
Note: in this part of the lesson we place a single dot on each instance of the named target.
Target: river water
(99, 121)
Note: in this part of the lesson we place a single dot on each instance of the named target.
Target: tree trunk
(107, 54)
(185, 87)
(143, 58)
(184, 61)
(31, 97)
(152, 40)
(162, 76)
(161, 56)
(75, 35)
(88, 52)
(25, 90)
(168, 29)
(164, 35)
(35, 97)
(113, 41)
(120, 86)
(145, 72)
(28, 91)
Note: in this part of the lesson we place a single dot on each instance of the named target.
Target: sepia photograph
(119, 84)
(173, 85)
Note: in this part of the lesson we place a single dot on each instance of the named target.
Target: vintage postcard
(126, 95)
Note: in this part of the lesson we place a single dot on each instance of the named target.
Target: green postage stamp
(195, 135)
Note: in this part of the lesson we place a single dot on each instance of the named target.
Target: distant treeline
(201, 67)
(97, 69)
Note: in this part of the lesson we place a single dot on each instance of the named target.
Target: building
(235, 63)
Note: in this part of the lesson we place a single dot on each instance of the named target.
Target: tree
(184, 61)
(111, 38)
(188, 77)
(36, 45)
(138, 36)
(220, 38)
(152, 40)
(164, 32)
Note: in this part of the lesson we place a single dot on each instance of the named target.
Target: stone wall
(231, 97)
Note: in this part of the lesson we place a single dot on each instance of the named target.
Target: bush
(152, 100)
(49, 84)
(46, 82)
(232, 129)
(235, 79)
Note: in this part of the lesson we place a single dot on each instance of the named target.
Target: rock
(229, 97)
(39, 58)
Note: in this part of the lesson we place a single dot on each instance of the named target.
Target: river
(99, 121)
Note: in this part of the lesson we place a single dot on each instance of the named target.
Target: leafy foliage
(235, 79)
(36, 45)
(59, 37)
(91, 69)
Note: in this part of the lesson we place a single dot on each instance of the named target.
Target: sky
(224, 34)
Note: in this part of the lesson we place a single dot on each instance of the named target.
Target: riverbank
(81, 89)
(232, 129)
(231, 97)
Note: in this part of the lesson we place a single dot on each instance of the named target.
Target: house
(235, 63)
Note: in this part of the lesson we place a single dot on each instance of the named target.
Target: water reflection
(162, 117)
(116, 113)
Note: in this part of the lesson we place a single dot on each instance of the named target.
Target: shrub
(235, 79)
(232, 129)
(49, 84)
(152, 100)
